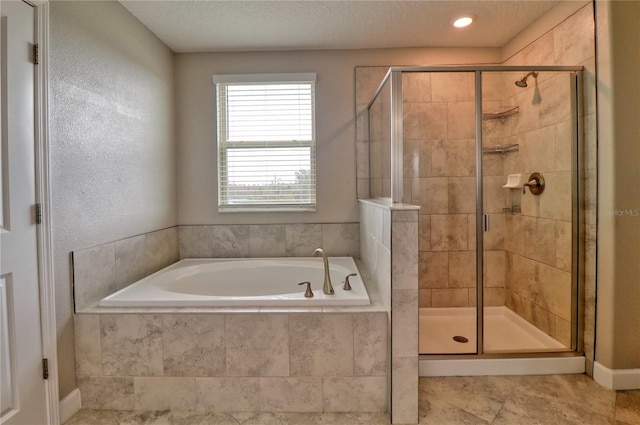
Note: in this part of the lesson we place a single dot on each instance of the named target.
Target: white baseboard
(616, 379)
(483, 367)
(70, 405)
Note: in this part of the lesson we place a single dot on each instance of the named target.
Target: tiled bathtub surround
(262, 362)
(269, 240)
(297, 362)
(389, 247)
(104, 269)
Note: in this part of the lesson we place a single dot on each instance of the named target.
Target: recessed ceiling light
(462, 21)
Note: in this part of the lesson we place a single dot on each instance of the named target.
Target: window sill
(266, 210)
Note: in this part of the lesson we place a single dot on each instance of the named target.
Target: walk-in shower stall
(492, 157)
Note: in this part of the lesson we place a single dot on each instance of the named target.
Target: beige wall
(618, 321)
(336, 126)
(112, 145)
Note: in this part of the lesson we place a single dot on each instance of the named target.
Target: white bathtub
(247, 282)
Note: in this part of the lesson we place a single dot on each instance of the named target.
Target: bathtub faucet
(328, 287)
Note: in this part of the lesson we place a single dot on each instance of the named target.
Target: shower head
(523, 81)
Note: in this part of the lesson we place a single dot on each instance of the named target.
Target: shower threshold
(504, 333)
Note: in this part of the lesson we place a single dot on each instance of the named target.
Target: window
(266, 142)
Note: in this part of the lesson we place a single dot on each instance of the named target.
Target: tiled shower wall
(570, 43)
(538, 240)
(380, 144)
(367, 80)
(439, 175)
(439, 171)
(104, 269)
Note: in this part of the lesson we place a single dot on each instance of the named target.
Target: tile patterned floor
(525, 400)
(496, 400)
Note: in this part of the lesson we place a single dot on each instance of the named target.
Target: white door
(23, 388)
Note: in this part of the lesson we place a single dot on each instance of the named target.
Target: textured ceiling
(191, 26)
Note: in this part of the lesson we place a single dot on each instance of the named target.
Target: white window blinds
(266, 142)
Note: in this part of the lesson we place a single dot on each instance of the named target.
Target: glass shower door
(529, 211)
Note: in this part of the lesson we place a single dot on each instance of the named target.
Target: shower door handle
(485, 222)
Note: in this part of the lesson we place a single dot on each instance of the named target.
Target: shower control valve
(535, 184)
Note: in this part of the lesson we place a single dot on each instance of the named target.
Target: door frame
(43, 197)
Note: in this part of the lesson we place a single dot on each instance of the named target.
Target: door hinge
(45, 368)
(38, 213)
(36, 54)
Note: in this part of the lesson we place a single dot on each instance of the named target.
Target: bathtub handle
(308, 293)
(347, 286)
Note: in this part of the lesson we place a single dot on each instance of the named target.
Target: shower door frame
(394, 75)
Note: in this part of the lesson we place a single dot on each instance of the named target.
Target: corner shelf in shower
(513, 210)
(500, 112)
(502, 148)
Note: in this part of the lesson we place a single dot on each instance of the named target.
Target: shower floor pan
(504, 332)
